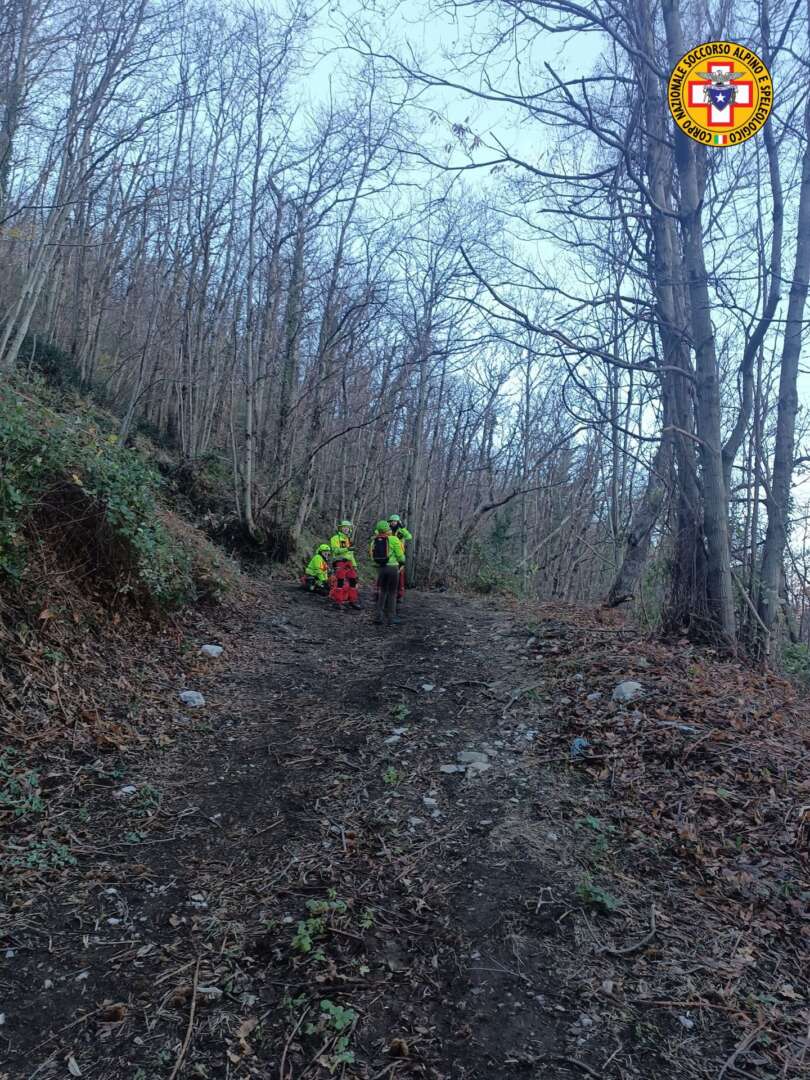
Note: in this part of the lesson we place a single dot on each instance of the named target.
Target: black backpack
(379, 550)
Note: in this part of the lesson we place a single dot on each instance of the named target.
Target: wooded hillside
(489, 286)
(542, 810)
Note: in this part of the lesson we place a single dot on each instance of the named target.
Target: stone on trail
(211, 650)
(451, 768)
(392, 739)
(126, 792)
(476, 767)
(579, 748)
(430, 803)
(192, 698)
(628, 690)
(470, 757)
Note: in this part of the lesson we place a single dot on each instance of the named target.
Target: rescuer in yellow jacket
(316, 573)
(388, 555)
(401, 533)
(344, 578)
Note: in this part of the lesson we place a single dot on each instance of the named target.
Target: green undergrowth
(796, 661)
(66, 485)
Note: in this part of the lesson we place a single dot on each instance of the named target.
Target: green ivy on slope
(47, 460)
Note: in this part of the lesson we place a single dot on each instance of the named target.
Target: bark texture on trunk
(690, 162)
(779, 499)
(644, 520)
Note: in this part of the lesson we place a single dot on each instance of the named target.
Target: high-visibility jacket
(341, 546)
(318, 568)
(396, 550)
(403, 536)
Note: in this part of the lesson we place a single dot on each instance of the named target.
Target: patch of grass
(147, 801)
(796, 660)
(598, 851)
(293, 1004)
(315, 927)
(400, 712)
(338, 1020)
(595, 896)
(43, 855)
(595, 823)
(19, 786)
(599, 847)
(391, 776)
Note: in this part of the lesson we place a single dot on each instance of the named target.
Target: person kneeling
(315, 578)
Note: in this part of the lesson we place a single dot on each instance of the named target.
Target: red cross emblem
(720, 118)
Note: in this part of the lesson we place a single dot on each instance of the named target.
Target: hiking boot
(357, 606)
(394, 620)
(377, 620)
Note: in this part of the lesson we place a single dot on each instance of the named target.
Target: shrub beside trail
(69, 489)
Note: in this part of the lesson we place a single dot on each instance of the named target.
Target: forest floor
(289, 882)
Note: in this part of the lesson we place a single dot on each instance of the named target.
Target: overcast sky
(416, 27)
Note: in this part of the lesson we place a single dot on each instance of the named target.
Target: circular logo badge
(720, 93)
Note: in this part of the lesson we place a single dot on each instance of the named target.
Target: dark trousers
(387, 582)
(311, 584)
(400, 586)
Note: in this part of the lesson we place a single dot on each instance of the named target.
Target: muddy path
(306, 879)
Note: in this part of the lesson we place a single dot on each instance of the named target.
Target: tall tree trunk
(641, 528)
(690, 161)
(778, 497)
(13, 91)
(292, 330)
(686, 598)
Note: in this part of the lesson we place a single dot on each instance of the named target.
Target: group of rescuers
(332, 570)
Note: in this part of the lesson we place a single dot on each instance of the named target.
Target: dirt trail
(299, 844)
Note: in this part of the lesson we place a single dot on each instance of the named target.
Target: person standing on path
(344, 581)
(388, 555)
(404, 537)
